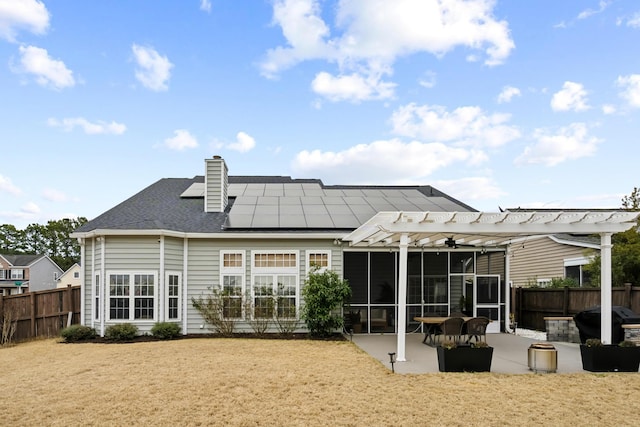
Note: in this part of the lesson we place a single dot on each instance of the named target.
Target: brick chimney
(215, 184)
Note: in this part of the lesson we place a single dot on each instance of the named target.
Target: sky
(500, 104)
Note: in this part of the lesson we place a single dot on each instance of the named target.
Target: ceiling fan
(451, 243)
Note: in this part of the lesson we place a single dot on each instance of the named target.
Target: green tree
(324, 293)
(625, 253)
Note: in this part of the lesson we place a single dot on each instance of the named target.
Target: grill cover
(588, 322)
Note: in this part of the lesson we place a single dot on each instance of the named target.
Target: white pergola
(488, 229)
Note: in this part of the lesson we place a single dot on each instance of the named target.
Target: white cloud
(608, 109)
(471, 188)
(602, 5)
(54, 195)
(205, 5)
(465, 126)
(154, 70)
(572, 96)
(29, 15)
(508, 92)
(398, 161)
(630, 89)
(374, 33)
(567, 143)
(181, 140)
(30, 208)
(99, 127)
(7, 186)
(353, 87)
(634, 21)
(48, 72)
(243, 143)
(428, 80)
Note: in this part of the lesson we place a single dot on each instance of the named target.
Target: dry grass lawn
(248, 382)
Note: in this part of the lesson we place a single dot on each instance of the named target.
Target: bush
(165, 330)
(76, 333)
(214, 309)
(323, 294)
(593, 342)
(121, 332)
(627, 343)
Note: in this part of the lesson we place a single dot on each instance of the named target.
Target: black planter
(465, 359)
(610, 358)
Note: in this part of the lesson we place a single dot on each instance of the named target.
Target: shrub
(593, 342)
(214, 309)
(323, 294)
(165, 330)
(627, 344)
(121, 332)
(448, 344)
(76, 333)
(480, 344)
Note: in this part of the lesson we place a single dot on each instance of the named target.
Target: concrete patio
(510, 354)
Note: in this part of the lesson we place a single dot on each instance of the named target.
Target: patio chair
(451, 328)
(477, 328)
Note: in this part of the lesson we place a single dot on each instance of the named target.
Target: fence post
(32, 298)
(627, 295)
(68, 301)
(565, 301)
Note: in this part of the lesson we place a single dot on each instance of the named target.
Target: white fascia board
(225, 235)
(575, 243)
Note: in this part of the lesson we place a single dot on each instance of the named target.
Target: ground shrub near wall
(324, 293)
(75, 333)
(121, 332)
(165, 330)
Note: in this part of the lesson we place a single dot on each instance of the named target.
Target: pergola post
(605, 288)
(401, 315)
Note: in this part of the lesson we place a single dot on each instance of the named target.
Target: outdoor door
(487, 300)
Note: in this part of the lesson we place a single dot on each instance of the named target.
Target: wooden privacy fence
(532, 305)
(41, 313)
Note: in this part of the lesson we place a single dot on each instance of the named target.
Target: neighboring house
(71, 277)
(145, 259)
(24, 273)
(536, 261)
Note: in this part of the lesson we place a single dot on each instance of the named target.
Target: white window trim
(543, 283)
(132, 297)
(167, 296)
(275, 271)
(17, 276)
(572, 262)
(95, 292)
(308, 254)
(233, 271)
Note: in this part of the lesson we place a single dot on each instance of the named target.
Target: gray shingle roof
(160, 206)
(21, 260)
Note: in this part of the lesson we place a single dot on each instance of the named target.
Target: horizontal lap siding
(204, 266)
(132, 253)
(87, 283)
(540, 259)
(173, 254)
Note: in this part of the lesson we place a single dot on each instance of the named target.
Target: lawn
(251, 382)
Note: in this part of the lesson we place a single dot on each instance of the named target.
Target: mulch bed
(271, 336)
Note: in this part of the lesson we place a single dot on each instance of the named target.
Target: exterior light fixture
(392, 360)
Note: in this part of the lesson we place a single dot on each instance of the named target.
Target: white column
(507, 281)
(161, 283)
(605, 288)
(401, 315)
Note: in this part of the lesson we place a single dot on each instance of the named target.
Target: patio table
(432, 324)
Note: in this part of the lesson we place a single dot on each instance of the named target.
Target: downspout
(605, 288)
(83, 286)
(402, 298)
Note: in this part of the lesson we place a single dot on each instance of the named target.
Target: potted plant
(598, 357)
(475, 357)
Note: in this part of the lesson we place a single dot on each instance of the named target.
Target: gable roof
(21, 260)
(264, 203)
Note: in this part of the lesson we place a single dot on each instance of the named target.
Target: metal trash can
(543, 357)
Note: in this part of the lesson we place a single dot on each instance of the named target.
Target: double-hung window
(17, 274)
(275, 283)
(132, 296)
(232, 282)
(96, 297)
(173, 281)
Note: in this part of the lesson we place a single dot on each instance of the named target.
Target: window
(76, 274)
(17, 274)
(275, 284)
(232, 283)
(3, 274)
(543, 283)
(96, 296)
(319, 259)
(132, 296)
(173, 296)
